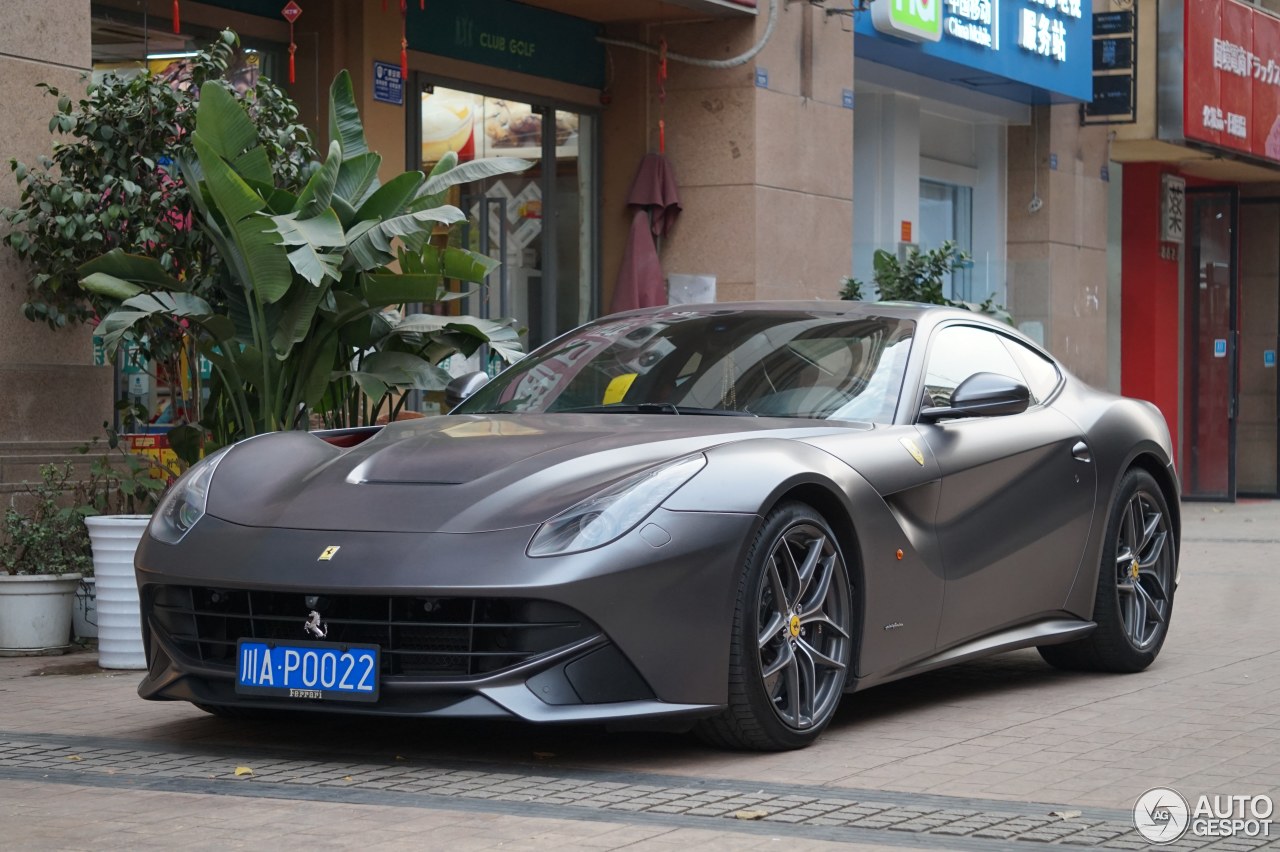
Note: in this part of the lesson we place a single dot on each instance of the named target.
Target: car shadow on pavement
(382, 739)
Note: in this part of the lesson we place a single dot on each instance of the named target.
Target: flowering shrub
(111, 183)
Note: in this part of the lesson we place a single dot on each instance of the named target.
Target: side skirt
(1045, 631)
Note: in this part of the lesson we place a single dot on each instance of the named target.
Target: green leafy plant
(47, 534)
(850, 289)
(304, 320)
(919, 278)
(111, 184)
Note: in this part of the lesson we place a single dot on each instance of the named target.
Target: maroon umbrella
(655, 201)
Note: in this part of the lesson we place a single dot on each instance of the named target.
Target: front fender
(899, 598)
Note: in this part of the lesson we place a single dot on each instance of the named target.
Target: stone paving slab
(953, 756)
(811, 812)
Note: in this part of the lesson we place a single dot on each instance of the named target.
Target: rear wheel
(792, 636)
(1136, 582)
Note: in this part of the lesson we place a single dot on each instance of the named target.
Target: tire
(788, 664)
(1136, 584)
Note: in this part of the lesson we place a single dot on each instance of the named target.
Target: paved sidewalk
(980, 756)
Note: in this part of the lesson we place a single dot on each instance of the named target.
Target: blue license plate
(307, 670)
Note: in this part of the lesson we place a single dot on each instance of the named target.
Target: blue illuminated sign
(1032, 51)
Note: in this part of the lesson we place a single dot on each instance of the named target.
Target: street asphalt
(1000, 754)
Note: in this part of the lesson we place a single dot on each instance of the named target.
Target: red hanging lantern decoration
(404, 40)
(177, 18)
(291, 12)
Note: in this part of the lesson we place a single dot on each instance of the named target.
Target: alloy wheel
(804, 619)
(1144, 570)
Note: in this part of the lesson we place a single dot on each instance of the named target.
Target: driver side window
(957, 353)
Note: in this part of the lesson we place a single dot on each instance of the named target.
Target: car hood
(463, 473)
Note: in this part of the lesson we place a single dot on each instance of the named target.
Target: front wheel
(792, 636)
(1136, 582)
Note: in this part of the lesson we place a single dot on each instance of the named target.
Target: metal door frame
(1192, 313)
(1260, 200)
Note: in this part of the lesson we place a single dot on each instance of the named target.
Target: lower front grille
(419, 636)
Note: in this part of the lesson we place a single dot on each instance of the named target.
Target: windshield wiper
(651, 408)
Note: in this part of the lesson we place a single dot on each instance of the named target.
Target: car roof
(926, 316)
(898, 310)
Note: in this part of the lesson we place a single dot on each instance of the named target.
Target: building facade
(1198, 253)
(968, 130)
(803, 136)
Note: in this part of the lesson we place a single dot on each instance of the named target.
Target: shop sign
(914, 20)
(1044, 31)
(1173, 209)
(1115, 46)
(514, 36)
(388, 86)
(1037, 47)
(973, 21)
(1232, 77)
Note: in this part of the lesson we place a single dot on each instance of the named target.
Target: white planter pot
(35, 613)
(84, 614)
(115, 538)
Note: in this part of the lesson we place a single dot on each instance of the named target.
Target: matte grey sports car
(721, 516)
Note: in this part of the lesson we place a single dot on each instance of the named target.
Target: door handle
(1080, 452)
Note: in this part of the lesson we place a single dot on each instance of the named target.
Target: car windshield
(805, 364)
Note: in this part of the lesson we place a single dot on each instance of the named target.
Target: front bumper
(654, 641)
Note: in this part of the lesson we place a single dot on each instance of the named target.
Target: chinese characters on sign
(1045, 32)
(1234, 59)
(1173, 209)
(1231, 77)
(971, 21)
(1114, 47)
(1024, 50)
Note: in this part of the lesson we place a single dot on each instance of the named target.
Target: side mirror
(982, 395)
(463, 386)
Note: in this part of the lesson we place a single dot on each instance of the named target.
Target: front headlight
(185, 502)
(606, 516)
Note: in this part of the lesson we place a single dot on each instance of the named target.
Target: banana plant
(311, 315)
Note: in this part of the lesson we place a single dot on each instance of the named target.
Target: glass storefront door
(540, 223)
(1209, 346)
(946, 213)
(1257, 440)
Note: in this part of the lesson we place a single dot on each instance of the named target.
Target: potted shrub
(45, 553)
(918, 277)
(115, 503)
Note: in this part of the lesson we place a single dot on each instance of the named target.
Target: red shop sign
(1231, 77)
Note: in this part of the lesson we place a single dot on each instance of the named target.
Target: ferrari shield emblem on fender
(330, 551)
(914, 450)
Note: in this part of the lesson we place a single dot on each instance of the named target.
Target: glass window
(764, 363)
(957, 353)
(538, 223)
(1041, 374)
(946, 213)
